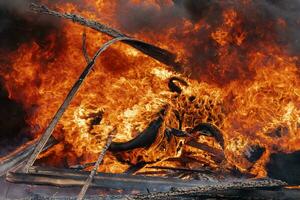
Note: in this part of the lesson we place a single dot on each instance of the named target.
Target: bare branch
(48, 132)
(96, 166)
(153, 51)
(84, 48)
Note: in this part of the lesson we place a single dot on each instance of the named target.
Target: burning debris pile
(213, 89)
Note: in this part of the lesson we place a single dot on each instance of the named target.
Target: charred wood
(215, 188)
(84, 48)
(155, 52)
(143, 140)
(278, 132)
(96, 166)
(174, 87)
(210, 130)
(183, 160)
(176, 132)
(135, 168)
(21, 191)
(181, 169)
(18, 156)
(168, 186)
(152, 173)
(253, 153)
(179, 117)
(216, 154)
(66, 178)
(83, 166)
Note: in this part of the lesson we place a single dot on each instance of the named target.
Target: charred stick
(254, 153)
(64, 178)
(209, 130)
(67, 178)
(145, 139)
(204, 147)
(96, 166)
(84, 48)
(220, 186)
(134, 168)
(83, 166)
(181, 169)
(217, 155)
(182, 159)
(151, 173)
(176, 132)
(155, 52)
(179, 117)
(174, 87)
(48, 132)
(17, 157)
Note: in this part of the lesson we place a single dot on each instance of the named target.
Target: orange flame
(256, 104)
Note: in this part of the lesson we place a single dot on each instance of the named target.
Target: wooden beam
(17, 157)
(215, 188)
(167, 186)
(96, 166)
(217, 155)
(66, 178)
(180, 169)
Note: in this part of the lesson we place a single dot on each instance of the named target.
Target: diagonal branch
(96, 166)
(48, 132)
(84, 48)
(155, 52)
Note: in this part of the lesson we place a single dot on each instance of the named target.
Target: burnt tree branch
(48, 132)
(155, 52)
(17, 157)
(96, 166)
(84, 48)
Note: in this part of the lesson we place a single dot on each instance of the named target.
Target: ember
(211, 88)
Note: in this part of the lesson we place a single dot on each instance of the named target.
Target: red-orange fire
(244, 81)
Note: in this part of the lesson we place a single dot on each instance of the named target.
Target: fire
(247, 87)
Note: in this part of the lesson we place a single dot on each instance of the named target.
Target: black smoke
(18, 26)
(12, 123)
(260, 19)
(289, 10)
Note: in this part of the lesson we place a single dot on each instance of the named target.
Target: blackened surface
(260, 20)
(17, 26)
(285, 167)
(12, 123)
(254, 153)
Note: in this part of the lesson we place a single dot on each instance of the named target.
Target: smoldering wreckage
(199, 99)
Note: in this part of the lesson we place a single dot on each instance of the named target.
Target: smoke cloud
(261, 20)
(19, 25)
